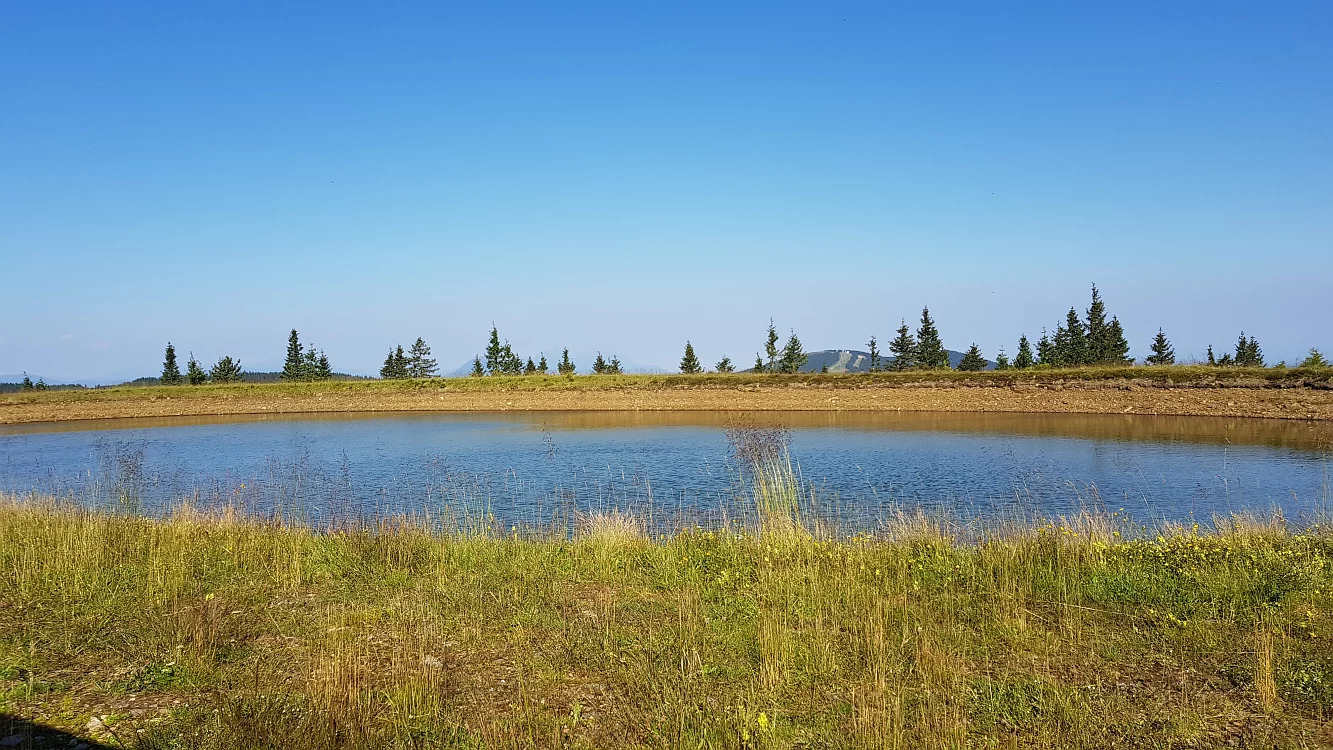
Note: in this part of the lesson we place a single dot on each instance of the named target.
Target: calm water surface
(541, 468)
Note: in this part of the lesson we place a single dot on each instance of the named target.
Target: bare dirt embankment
(1291, 394)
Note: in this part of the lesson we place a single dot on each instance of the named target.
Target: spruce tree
(27, 383)
(599, 365)
(399, 362)
(904, 349)
(930, 351)
(41, 384)
(309, 363)
(494, 353)
(771, 347)
(195, 371)
(171, 372)
(323, 370)
(1212, 361)
(724, 366)
(972, 360)
(1023, 360)
(793, 356)
(226, 370)
(530, 368)
(542, 369)
(1315, 359)
(294, 366)
(874, 355)
(613, 367)
(1002, 360)
(1248, 353)
(1098, 333)
(758, 363)
(419, 362)
(1115, 348)
(389, 371)
(1070, 347)
(565, 366)
(1046, 350)
(1162, 352)
(689, 364)
(477, 369)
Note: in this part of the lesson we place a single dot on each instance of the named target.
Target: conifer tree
(972, 360)
(171, 372)
(613, 367)
(930, 351)
(41, 384)
(419, 362)
(226, 370)
(494, 353)
(758, 363)
(477, 369)
(390, 369)
(399, 362)
(874, 355)
(565, 366)
(771, 347)
(1023, 360)
(323, 370)
(599, 365)
(195, 371)
(1114, 347)
(542, 369)
(27, 383)
(904, 349)
(1226, 360)
(1002, 360)
(1162, 351)
(689, 364)
(1070, 347)
(294, 366)
(1248, 353)
(823, 370)
(1046, 350)
(724, 366)
(1097, 332)
(309, 363)
(1315, 359)
(793, 356)
(1211, 359)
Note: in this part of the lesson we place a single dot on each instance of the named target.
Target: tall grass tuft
(774, 485)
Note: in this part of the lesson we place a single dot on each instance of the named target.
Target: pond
(676, 468)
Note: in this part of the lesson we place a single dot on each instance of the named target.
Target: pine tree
(613, 367)
(530, 368)
(542, 369)
(1248, 353)
(724, 366)
(1002, 360)
(1046, 350)
(771, 347)
(874, 355)
(226, 370)
(930, 351)
(1023, 360)
(793, 356)
(1226, 360)
(565, 366)
(323, 371)
(294, 367)
(419, 362)
(195, 371)
(41, 384)
(1114, 347)
(689, 364)
(27, 383)
(309, 363)
(972, 360)
(599, 365)
(477, 369)
(1098, 341)
(904, 349)
(390, 370)
(1212, 361)
(1070, 347)
(494, 353)
(1162, 352)
(1314, 360)
(759, 363)
(171, 372)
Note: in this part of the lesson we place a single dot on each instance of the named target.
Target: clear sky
(624, 176)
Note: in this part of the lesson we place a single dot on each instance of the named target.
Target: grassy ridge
(214, 632)
(1175, 376)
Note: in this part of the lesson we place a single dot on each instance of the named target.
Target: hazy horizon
(623, 178)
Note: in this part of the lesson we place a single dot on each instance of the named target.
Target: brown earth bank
(1292, 394)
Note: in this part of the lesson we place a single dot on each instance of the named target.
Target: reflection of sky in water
(522, 472)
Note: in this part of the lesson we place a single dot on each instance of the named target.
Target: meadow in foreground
(211, 631)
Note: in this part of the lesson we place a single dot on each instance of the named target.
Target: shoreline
(1292, 394)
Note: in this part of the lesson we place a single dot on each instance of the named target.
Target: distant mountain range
(852, 360)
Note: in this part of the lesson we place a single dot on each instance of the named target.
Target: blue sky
(626, 176)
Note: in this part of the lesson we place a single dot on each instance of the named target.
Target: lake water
(539, 469)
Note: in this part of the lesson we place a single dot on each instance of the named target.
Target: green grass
(1174, 376)
(215, 632)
